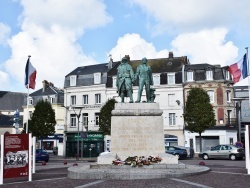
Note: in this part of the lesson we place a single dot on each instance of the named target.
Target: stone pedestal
(137, 130)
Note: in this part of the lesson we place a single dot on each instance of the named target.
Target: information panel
(16, 155)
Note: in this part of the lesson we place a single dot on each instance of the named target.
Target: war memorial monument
(137, 134)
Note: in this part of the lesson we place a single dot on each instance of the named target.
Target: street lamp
(238, 112)
(78, 121)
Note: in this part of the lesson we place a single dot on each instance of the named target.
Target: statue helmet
(124, 58)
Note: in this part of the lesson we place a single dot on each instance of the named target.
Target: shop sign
(86, 136)
(55, 136)
(91, 106)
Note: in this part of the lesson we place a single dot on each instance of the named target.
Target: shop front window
(48, 145)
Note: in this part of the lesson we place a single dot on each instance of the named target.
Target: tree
(199, 114)
(105, 116)
(43, 121)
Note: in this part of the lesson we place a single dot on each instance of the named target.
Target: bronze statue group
(126, 78)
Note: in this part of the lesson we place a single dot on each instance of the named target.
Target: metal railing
(232, 122)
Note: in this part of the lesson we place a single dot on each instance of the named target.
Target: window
(52, 100)
(72, 120)
(171, 78)
(228, 96)
(209, 75)
(190, 76)
(171, 99)
(73, 100)
(85, 99)
(45, 98)
(229, 114)
(85, 119)
(215, 148)
(48, 145)
(98, 98)
(156, 79)
(114, 81)
(227, 73)
(72, 80)
(30, 114)
(30, 101)
(171, 119)
(97, 119)
(97, 78)
(211, 96)
(231, 141)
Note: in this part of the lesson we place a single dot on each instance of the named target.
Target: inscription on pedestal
(137, 130)
(137, 136)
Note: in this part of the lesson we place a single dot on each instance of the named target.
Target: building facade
(242, 105)
(218, 83)
(10, 102)
(56, 97)
(87, 88)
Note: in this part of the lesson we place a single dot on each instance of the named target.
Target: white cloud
(193, 15)
(4, 33)
(136, 47)
(207, 46)
(71, 15)
(3, 80)
(50, 30)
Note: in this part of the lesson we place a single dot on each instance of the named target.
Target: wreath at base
(138, 161)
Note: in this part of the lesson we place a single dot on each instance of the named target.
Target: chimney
(127, 57)
(171, 55)
(110, 65)
(45, 85)
(51, 84)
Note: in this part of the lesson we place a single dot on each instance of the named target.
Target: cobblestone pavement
(224, 173)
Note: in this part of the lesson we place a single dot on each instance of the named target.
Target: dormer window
(97, 78)
(209, 75)
(156, 79)
(30, 101)
(227, 75)
(171, 78)
(190, 76)
(72, 80)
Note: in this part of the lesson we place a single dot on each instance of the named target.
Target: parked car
(225, 151)
(181, 153)
(190, 151)
(42, 155)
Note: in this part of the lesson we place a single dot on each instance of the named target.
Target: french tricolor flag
(30, 75)
(239, 70)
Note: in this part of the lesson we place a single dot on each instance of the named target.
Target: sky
(61, 35)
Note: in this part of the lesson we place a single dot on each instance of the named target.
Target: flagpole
(27, 123)
(248, 76)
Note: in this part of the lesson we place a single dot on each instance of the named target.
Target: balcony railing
(232, 122)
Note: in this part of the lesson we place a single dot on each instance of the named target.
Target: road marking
(34, 181)
(191, 183)
(228, 172)
(90, 184)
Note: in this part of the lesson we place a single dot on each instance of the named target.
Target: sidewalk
(63, 158)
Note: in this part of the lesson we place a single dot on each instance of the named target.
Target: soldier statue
(144, 72)
(125, 79)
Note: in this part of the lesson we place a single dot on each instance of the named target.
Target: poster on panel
(16, 155)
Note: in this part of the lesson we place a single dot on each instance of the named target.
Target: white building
(87, 88)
